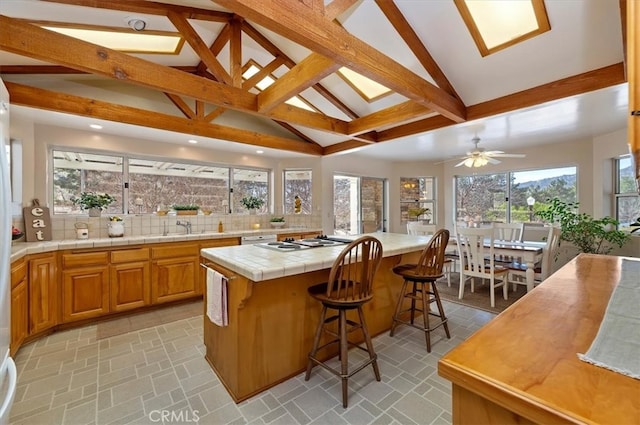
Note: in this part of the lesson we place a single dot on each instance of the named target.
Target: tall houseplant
(589, 235)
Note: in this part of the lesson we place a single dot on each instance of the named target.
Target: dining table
(527, 252)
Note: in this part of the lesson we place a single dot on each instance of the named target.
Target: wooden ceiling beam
(570, 86)
(392, 115)
(299, 78)
(56, 69)
(311, 30)
(337, 7)
(406, 32)
(221, 40)
(76, 105)
(150, 8)
(35, 42)
(198, 45)
(181, 105)
(235, 51)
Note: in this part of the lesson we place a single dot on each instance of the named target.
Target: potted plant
(252, 203)
(187, 209)
(277, 221)
(587, 234)
(417, 212)
(94, 202)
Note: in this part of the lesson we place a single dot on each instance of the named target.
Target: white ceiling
(585, 35)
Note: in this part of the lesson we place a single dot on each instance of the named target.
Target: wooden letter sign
(37, 223)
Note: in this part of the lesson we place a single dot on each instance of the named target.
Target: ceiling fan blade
(460, 163)
(492, 160)
(508, 155)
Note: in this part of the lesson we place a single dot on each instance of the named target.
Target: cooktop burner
(290, 244)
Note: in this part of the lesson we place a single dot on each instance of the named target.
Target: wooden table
(522, 367)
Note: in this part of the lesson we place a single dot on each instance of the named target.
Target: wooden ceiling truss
(209, 86)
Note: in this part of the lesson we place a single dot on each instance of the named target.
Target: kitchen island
(272, 319)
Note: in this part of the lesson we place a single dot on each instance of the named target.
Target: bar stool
(422, 277)
(349, 287)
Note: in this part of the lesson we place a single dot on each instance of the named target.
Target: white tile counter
(258, 263)
(20, 249)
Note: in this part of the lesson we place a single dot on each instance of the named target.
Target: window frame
(126, 158)
(617, 193)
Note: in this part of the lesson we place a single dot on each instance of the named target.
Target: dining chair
(420, 286)
(508, 231)
(417, 228)
(517, 270)
(477, 260)
(349, 287)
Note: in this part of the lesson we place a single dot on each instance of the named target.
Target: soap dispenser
(220, 228)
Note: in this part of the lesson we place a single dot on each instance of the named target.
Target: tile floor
(159, 375)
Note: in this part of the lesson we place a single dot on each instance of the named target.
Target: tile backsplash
(63, 227)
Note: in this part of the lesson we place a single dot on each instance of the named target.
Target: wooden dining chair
(349, 287)
(477, 260)
(417, 228)
(517, 270)
(508, 232)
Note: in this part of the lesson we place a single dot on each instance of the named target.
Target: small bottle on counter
(220, 228)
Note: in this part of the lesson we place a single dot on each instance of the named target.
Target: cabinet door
(19, 315)
(43, 293)
(174, 279)
(130, 285)
(85, 293)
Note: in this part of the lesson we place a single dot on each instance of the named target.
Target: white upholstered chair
(478, 260)
(517, 271)
(417, 228)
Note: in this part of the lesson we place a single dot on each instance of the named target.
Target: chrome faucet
(185, 224)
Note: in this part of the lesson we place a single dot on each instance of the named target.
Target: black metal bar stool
(421, 280)
(349, 287)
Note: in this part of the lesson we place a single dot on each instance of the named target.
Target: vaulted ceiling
(421, 50)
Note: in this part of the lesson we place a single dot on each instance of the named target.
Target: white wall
(591, 156)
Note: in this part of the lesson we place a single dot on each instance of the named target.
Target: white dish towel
(217, 298)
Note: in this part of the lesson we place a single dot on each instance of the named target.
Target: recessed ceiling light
(259, 151)
(95, 126)
(193, 142)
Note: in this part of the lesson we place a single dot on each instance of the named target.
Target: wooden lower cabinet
(85, 293)
(174, 279)
(130, 285)
(19, 305)
(43, 292)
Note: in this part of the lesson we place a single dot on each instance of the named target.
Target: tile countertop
(257, 263)
(20, 249)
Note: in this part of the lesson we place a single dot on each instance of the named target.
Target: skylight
(368, 89)
(267, 81)
(497, 24)
(123, 40)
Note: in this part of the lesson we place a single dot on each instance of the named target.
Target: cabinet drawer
(175, 250)
(129, 255)
(85, 259)
(18, 272)
(212, 243)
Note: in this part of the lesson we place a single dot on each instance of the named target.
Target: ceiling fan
(478, 157)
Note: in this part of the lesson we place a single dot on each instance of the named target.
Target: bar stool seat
(420, 286)
(349, 287)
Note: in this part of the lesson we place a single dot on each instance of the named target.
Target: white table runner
(617, 344)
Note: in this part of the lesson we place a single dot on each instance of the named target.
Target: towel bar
(208, 266)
